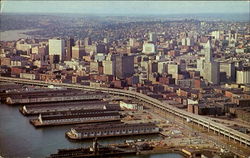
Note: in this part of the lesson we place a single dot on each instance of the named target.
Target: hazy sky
(125, 7)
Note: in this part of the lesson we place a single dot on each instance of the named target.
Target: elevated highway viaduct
(202, 121)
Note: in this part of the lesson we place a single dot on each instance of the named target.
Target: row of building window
(124, 131)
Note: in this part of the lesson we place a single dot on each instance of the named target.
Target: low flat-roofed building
(130, 105)
(110, 130)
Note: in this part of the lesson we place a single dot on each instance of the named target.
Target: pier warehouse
(59, 98)
(76, 117)
(111, 130)
(60, 107)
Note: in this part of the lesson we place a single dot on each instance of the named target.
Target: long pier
(200, 120)
(76, 117)
(58, 98)
(62, 107)
(111, 130)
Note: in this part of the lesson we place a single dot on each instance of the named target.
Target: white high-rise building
(216, 34)
(229, 69)
(187, 41)
(209, 69)
(208, 52)
(56, 47)
(132, 42)
(211, 72)
(108, 67)
(201, 65)
(148, 48)
(190, 41)
(152, 37)
(173, 69)
(162, 67)
(243, 76)
(183, 41)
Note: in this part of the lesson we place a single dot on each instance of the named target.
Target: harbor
(53, 138)
(123, 127)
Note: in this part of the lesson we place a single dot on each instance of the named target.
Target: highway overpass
(207, 123)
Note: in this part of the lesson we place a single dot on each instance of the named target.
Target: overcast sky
(125, 7)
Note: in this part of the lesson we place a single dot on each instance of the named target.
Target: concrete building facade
(148, 48)
(243, 76)
(124, 66)
(56, 47)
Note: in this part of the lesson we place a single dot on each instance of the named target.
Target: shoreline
(13, 35)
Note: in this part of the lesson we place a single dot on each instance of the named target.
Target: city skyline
(126, 7)
(138, 78)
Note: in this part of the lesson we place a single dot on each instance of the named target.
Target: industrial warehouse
(52, 108)
(111, 130)
(50, 98)
(76, 117)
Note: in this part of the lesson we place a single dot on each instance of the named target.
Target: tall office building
(56, 47)
(211, 71)
(173, 69)
(162, 67)
(101, 48)
(232, 38)
(108, 67)
(152, 67)
(201, 65)
(183, 42)
(124, 66)
(243, 76)
(152, 37)
(70, 44)
(190, 41)
(87, 41)
(216, 34)
(78, 52)
(229, 69)
(132, 42)
(208, 52)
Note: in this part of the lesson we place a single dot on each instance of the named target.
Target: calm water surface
(12, 35)
(18, 138)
